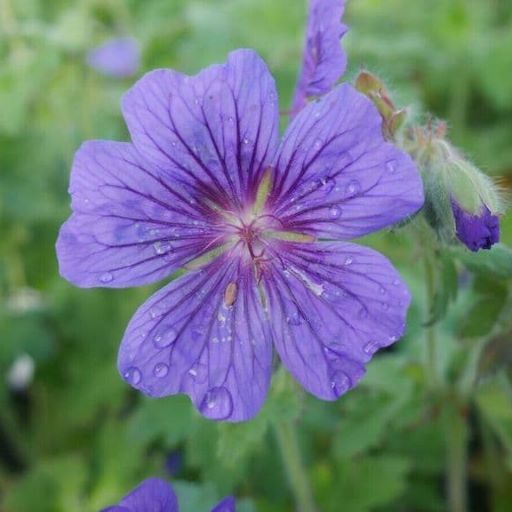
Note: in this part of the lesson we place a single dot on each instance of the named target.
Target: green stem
(288, 442)
(457, 445)
(430, 284)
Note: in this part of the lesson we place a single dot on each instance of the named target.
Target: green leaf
(497, 261)
(54, 485)
(485, 311)
(170, 420)
(495, 405)
(363, 484)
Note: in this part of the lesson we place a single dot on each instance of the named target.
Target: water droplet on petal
(349, 260)
(217, 404)
(371, 347)
(340, 383)
(385, 306)
(396, 282)
(160, 370)
(133, 375)
(199, 372)
(246, 141)
(335, 212)
(317, 144)
(106, 277)
(165, 338)
(293, 316)
(382, 290)
(162, 247)
(353, 188)
(391, 166)
(327, 185)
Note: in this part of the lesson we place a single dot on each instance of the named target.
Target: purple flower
(119, 57)
(323, 60)
(260, 226)
(480, 231)
(155, 495)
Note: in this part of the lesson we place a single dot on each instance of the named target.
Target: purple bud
(478, 231)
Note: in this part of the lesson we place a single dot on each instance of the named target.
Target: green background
(77, 438)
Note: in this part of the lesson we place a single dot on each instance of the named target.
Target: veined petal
(336, 176)
(226, 505)
(323, 60)
(131, 224)
(216, 131)
(332, 306)
(152, 495)
(206, 335)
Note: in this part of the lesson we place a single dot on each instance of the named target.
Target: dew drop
(165, 338)
(382, 290)
(335, 212)
(217, 404)
(353, 188)
(293, 316)
(385, 306)
(363, 313)
(396, 282)
(340, 383)
(391, 166)
(199, 372)
(162, 247)
(246, 141)
(317, 144)
(327, 185)
(133, 375)
(160, 370)
(106, 277)
(371, 347)
(349, 260)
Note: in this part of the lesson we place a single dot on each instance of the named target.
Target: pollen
(230, 294)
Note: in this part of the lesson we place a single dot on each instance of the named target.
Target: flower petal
(336, 176)
(332, 306)
(153, 495)
(323, 61)
(216, 131)
(206, 335)
(226, 505)
(131, 224)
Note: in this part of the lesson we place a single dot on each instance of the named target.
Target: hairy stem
(288, 442)
(430, 286)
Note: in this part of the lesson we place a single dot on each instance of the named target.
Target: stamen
(230, 294)
(263, 191)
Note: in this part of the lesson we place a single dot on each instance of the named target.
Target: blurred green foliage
(76, 438)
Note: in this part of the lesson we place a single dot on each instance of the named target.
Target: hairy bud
(460, 201)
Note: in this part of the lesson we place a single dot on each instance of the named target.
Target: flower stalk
(457, 445)
(287, 440)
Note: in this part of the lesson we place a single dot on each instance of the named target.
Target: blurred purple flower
(119, 57)
(323, 60)
(155, 495)
(205, 185)
(480, 231)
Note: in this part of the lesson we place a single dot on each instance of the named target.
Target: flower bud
(460, 201)
(374, 88)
